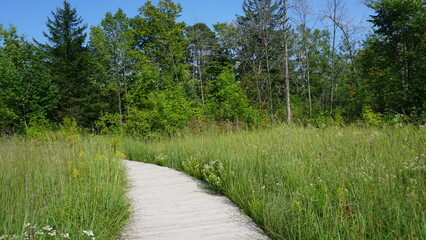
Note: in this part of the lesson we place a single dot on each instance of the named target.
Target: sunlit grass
(61, 186)
(308, 183)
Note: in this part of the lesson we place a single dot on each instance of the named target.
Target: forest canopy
(151, 73)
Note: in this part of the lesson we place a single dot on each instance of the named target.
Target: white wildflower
(47, 228)
(88, 233)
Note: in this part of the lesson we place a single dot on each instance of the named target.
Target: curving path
(171, 205)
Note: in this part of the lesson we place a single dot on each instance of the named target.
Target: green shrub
(163, 111)
(226, 101)
(371, 118)
(109, 123)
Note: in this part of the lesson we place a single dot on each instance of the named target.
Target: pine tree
(394, 58)
(69, 64)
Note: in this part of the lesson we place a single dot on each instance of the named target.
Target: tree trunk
(200, 75)
(308, 80)
(286, 70)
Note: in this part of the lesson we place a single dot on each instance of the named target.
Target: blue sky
(30, 16)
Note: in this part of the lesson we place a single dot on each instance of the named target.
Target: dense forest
(151, 73)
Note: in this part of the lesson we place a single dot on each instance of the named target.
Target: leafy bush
(371, 118)
(109, 123)
(163, 111)
(227, 101)
(38, 127)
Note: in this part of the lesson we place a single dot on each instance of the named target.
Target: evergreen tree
(69, 61)
(394, 58)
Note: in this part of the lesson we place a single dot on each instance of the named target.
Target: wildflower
(99, 157)
(53, 233)
(3, 237)
(297, 205)
(65, 235)
(27, 225)
(417, 163)
(47, 228)
(120, 155)
(39, 232)
(340, 192)
(75, 173)
(88, 233)
(82, 155)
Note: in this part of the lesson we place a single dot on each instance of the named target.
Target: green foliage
(371, 118)
(310, 183)
(212, 173)
(38, 128)
(61, 188)
(27, 91)
(162, 111)
(112, 45)
(70, 131)
(193, 166)
(70, 65)
(324, 119)
(162, 40)
(109, 123)
(227, 101)
(138, 122)
(393, 61)
(157, 75)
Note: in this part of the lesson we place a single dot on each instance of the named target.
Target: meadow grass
(61, 186)
(308, 183)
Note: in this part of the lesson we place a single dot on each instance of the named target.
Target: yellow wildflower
(82, 155)
(120, 155)
(75, 173)
(99, 157)
(297, 205)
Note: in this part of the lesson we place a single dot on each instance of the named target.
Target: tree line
(152, 73)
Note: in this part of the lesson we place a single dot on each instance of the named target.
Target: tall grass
(307, 183)
(61, 186)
